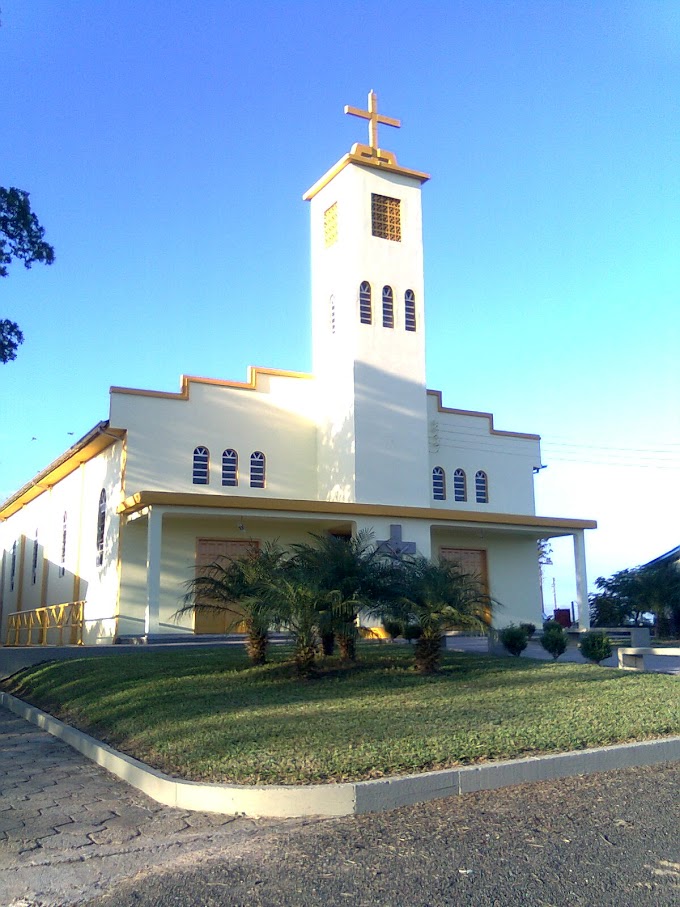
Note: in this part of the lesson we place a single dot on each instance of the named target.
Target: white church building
(99, 545)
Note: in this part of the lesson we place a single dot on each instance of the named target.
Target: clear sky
(166, 147)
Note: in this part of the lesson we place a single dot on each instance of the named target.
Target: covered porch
(166, 536)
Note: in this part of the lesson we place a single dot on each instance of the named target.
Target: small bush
(393, 627)
(529, 629)
(514, 639)
(554, 641)
(551, 624)
(595, 646)
(412, 631)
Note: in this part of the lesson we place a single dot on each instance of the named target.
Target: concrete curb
(288, 801)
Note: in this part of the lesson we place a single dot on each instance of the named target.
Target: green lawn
(205, 715)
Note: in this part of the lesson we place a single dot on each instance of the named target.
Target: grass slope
(207, 716)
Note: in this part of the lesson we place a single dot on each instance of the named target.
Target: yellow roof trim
(366, 157)
(489, 416)
(186, 380)
(91, 444)
(142, 499)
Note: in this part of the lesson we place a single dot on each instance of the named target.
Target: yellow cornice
(488, 416)
(186, 380)
(366, 157)
(91, 444)
(142, 499)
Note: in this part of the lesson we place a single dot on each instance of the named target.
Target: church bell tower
(368, 325)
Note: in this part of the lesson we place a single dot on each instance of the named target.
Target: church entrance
(471, 561)
(209, 551)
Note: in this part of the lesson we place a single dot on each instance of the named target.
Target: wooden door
(208, 551)
(473, 562)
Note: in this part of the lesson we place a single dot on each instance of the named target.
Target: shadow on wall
(34, 582)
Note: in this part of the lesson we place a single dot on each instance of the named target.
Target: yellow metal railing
(51, 624)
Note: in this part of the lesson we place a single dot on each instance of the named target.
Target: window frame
(201, 465)
(258, 469)
(387, 307)
(64, 529)
(365, 303)
(481, 487)
(459, 485)
(410, 323)
(438, 483)
(101, 527)
(229, 468)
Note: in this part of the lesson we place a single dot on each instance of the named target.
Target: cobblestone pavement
(69, 830)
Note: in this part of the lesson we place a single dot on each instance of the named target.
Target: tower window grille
(332, 301)
(386, 217)
(410, 310)
(388, 307)
(330, 225)
(13, 571)
(365, 313)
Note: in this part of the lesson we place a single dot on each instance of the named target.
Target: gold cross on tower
(373, 118)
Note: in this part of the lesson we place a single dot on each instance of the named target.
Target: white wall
(276, 419)
(77, 495)
(465, 441)
(512, 562)
(373, 440)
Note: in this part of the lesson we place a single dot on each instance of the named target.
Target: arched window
(101, 527)
(410, 310)
(62, 562)
(332, 314)
(438, 484)
(201, 464)
(257, 469)
(34, 565)
(388, 307)
(229, 467)
(459, 485)
(365, 314)
(481, 487)
(13, 571)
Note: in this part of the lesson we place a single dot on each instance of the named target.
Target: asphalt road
(609, 839)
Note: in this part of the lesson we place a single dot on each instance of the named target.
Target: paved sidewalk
(69, 830)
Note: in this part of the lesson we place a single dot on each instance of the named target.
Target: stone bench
(639, 658)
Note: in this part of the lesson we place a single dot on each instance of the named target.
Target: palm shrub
(514, 639)
(438, 597)
(297, 605)
(412, 631)
(554, 641)
(595, 646)
(350, 571)
(393, 627)
(237, 589)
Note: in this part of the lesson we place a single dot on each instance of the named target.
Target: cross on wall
(395, 545)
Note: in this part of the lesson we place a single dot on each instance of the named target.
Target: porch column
(154, 538)
(581, 581)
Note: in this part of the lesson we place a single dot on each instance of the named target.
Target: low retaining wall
(345, 799)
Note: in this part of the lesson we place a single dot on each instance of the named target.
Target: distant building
(169, 481)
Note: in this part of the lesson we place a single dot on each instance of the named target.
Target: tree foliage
(626, 596)
(439, 597)
(22, 238)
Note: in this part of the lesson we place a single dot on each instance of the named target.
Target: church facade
(99, 546)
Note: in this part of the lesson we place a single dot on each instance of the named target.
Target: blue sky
(166, 147)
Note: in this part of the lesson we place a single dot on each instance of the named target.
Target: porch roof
(210, 502)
